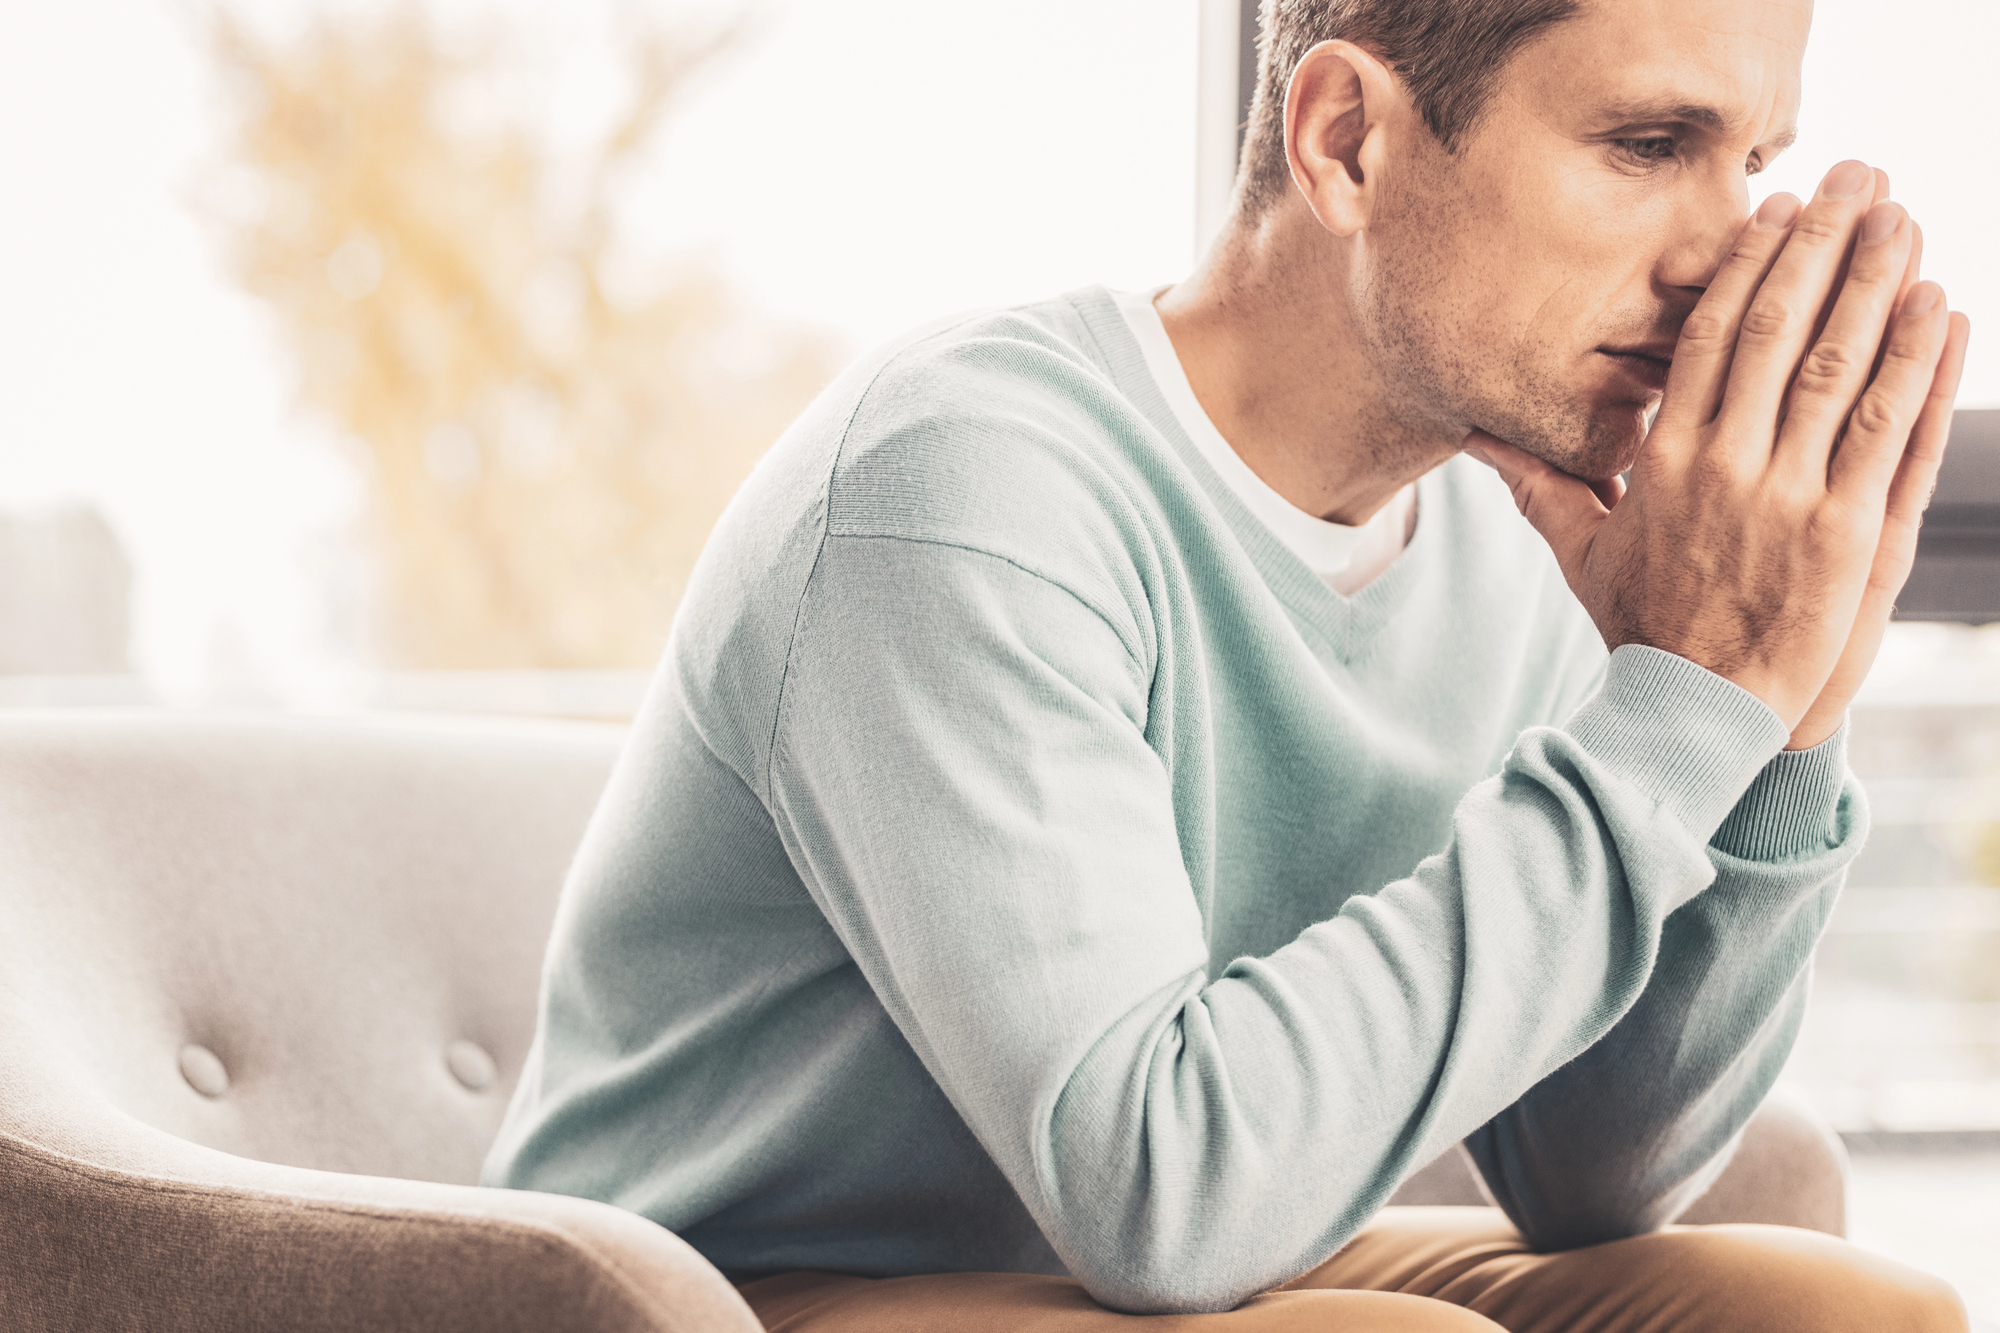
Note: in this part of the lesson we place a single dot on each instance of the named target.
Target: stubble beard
(1452, 379)
(1442, 378)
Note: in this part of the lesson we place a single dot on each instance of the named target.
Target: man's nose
(1704, 232)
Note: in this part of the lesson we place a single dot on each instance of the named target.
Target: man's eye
(1653, 148)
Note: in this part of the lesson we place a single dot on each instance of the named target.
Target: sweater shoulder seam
(825, 500)
(1132, 652)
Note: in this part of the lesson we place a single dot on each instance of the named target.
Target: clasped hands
(1771, 517)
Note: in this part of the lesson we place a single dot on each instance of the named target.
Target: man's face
(1533, 283)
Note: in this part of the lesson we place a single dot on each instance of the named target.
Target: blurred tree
(545, 453)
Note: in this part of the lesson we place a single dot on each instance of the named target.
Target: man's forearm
(1184, 1134)
(1625, 1137)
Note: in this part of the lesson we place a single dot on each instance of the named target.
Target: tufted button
(203, 1072)
(470, 1065)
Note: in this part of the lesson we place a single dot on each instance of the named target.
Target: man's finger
(1896, 552)
(1915, 271)
(1609, 491)
(1910, 492)
(1912, 272)
(1840, 282)
(1837, 367)
(1879, 428)
(1708, 336)
(1840, 279)
(1775, 329)
(1565, 510)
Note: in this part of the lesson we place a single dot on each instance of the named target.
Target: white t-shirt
(1347, 559)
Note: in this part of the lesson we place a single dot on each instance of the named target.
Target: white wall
(1910, 88)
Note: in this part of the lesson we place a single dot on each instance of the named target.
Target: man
(1122, 791)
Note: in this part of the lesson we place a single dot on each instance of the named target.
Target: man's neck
(1265, 333)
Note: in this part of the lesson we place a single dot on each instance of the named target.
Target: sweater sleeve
(961, 770)
(1626, 1136)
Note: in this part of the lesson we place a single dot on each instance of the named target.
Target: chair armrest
(84, 1246)
(1789, 1169)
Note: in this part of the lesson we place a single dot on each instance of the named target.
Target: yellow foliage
(544, 461)
(1986, 855)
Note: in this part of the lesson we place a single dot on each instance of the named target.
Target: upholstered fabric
(265, 985)
(334, 928)
(1790, 1169)
(199, 1240)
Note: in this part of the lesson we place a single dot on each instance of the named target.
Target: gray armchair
(265, 985)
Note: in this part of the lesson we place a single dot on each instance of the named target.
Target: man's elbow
(1193, 1270)
(1150, 1289)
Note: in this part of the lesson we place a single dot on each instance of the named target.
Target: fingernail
(1923, 298)
(1479, 454)
(1846, 180)
(1777, 212)
(1881, 223)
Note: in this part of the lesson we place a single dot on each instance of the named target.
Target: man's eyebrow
(1663, 110)
(1692, 113)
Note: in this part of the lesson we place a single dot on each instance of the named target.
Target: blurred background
(401, 355)
(421, 337)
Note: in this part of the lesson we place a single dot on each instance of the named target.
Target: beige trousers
(1437, 1270)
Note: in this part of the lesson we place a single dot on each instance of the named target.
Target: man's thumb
(1564, 509)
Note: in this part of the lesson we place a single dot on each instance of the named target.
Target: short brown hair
(1447, 53)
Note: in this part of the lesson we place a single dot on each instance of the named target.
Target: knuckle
(1826, 527)
(1750, 249)
(1816, 228)
(1828, 367)
(1909, 354)
(1875, 414)
(1523, 490)
(1769, 316)
(1713, 470)
(1704, 328)
(1874, 267)
(1899, 529)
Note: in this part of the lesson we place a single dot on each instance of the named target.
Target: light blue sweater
(1023, 862)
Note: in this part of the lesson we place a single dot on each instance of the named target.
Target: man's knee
(1323, 1311)
(1813, 1281)
(1011, 1302)
(1733, 1279)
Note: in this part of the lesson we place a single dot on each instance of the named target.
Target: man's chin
(1594, 447)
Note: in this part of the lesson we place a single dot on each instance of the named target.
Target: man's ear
(1336, 126)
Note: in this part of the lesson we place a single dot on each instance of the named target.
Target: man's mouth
(1647, 365)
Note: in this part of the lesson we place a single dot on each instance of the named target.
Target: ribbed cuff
(1793, 806)
(1680, 733)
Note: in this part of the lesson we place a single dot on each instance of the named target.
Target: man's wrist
(1815, 729)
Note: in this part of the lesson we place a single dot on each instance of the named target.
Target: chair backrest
(313, 942)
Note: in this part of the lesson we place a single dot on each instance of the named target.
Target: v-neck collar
(1337, 626)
